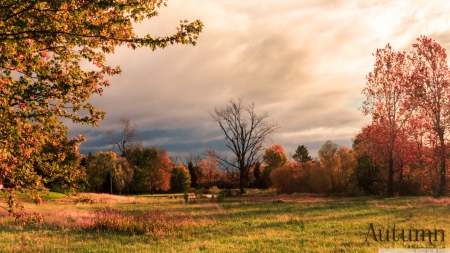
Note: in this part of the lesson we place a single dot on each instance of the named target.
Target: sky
(303, 62)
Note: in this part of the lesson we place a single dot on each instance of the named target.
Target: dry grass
(435, 201)
(384, 205)
(103, 198)
(144, 222)
(116, 199)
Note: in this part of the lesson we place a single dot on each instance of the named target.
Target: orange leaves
(275, 157)
(289, 179)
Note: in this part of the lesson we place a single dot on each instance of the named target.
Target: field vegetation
(257, 222)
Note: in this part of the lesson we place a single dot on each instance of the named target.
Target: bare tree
(176, 159)
(129, 137)
(245, 132)
(191, 158)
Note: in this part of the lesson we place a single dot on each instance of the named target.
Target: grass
(257, 223)
(161, 195)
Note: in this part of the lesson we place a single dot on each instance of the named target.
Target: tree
(191, 163)
(180, 180)
(328, 150)
(388, 100)
(153, 170)
(367, 170)
(274, 157)
(287, 179)
(128, 138)
(64, 156)
(343, 171)
(333, 173)
(42, 45)
(323, 175)
(99, 168)
(244, 136)
(431, 91)
(209, 171)
(123, 174)
(256, 174)
(301, 154)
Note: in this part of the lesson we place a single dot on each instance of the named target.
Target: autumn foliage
(408, 97)
(53, 60)
(292, 177)
(274, 157)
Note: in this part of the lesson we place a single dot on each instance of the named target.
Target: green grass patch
(50, 196)
(244, 224)
(53, 195)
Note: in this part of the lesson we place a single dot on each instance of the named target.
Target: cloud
(303, 62)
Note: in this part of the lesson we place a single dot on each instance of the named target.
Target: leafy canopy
(46, 47)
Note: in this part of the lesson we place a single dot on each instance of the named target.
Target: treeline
(361, 170)
(150, 170)
(338, 170)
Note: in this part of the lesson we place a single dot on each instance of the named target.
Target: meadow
(253, 223)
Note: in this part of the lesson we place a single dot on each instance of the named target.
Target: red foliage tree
(388, 101)
(210, 174)
(431, 90)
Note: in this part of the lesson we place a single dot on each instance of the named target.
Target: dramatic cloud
(304, 62)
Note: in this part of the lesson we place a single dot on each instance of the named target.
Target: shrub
(214, 190)
(198, 193)
(320, 180)
(287, 179)
(231, 192)
(221, 196)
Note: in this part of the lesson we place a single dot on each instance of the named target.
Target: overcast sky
(303, 62)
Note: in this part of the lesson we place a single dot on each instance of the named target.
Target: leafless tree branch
(245, 132)
(129, 137)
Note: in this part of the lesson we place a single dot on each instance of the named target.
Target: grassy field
(257, 223)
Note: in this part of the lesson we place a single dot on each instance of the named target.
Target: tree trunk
(241, 182)
(391, 176)
(110, 182)
(443, 157)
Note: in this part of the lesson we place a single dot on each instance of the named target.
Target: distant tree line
(338, 170)
(404, 151)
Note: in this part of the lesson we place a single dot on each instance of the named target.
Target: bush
(287, 179)
(231, 192)
(198, 193)
(214, 190)
(320, 180)
(221, 196)
(186, 198)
